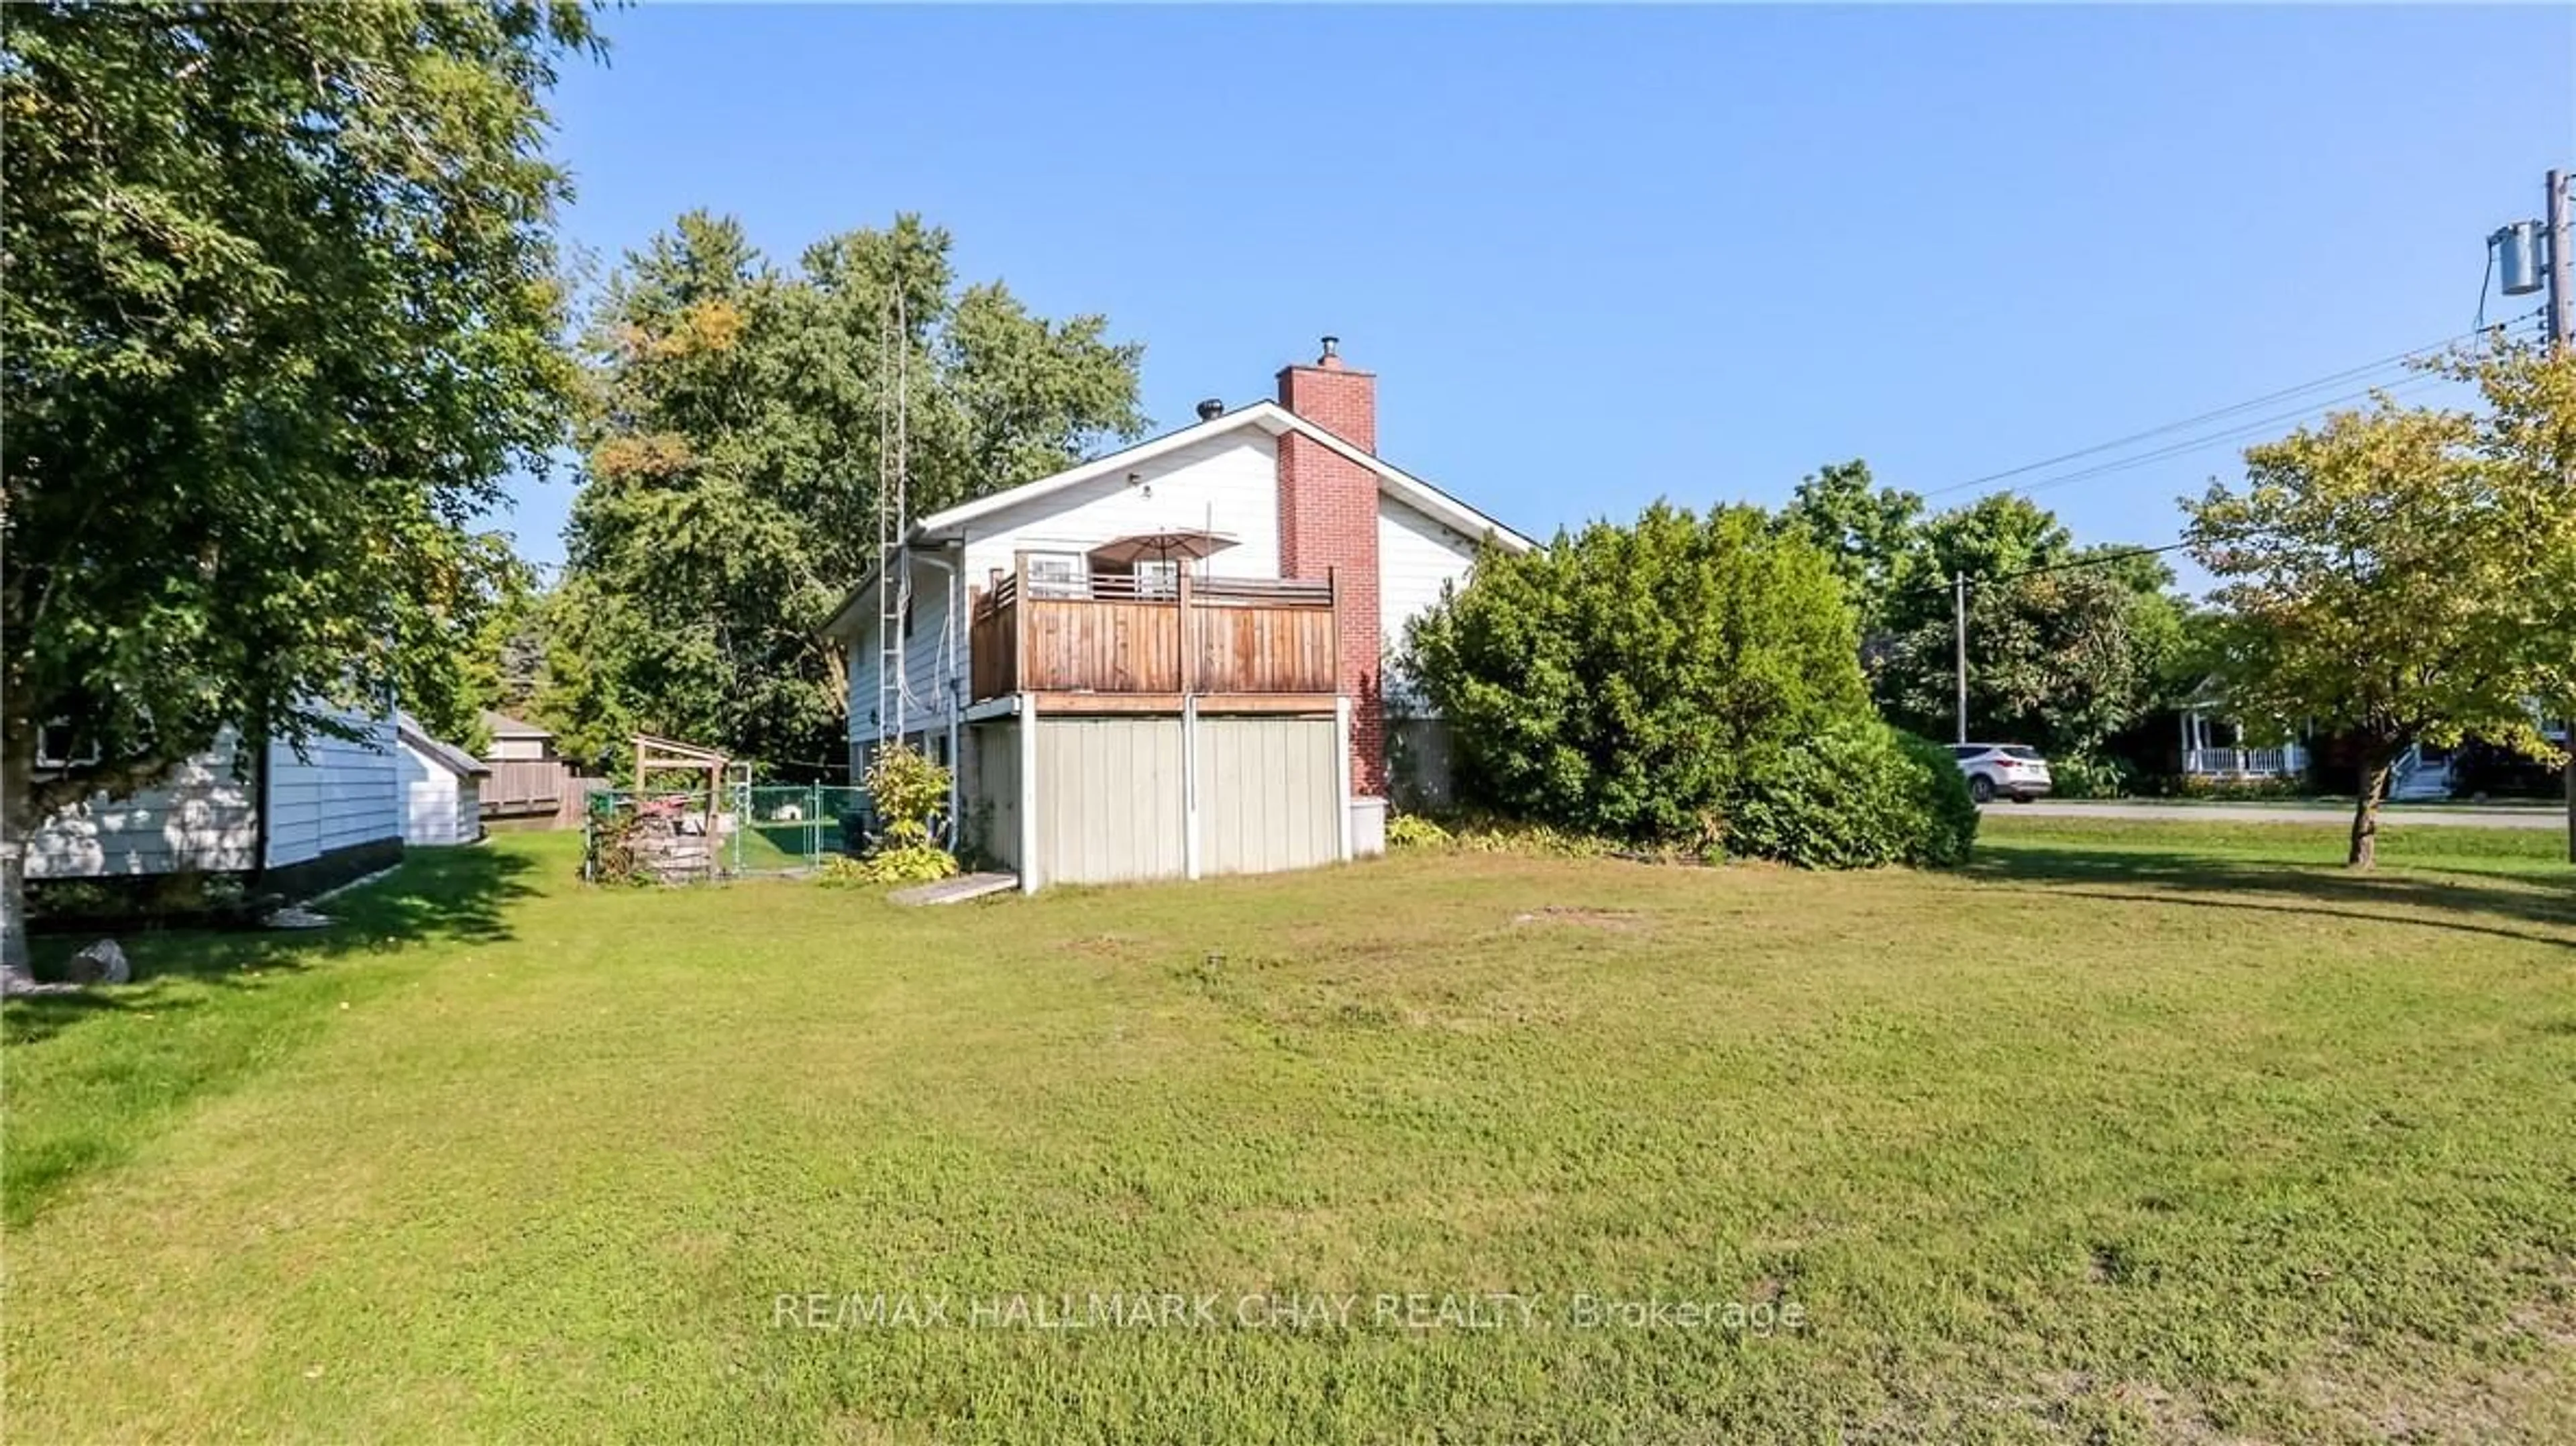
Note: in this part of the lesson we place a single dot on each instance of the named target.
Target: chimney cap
(1211, 408)
(1332, 349)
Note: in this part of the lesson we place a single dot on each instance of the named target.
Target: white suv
(2002, 770)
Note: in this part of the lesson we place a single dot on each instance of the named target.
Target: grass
(2135, 1132)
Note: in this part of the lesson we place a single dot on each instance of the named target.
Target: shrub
(1413, 831)
(908, 864)
(1626, 681)
(1856, 794)
(2083, 776)
(909, 791)
(840, 871)
(2192, 785)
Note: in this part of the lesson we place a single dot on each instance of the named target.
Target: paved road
(2284, 813)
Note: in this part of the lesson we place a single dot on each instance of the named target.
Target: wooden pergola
(704, 767)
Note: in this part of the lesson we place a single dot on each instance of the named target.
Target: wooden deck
(1113, 635)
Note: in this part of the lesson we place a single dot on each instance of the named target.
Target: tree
(1629, 681)
(2399, 574)
(2068, 646)
(2064, 660)
(1871, 536)
(455, 660)
(280, 311)
(731, 458)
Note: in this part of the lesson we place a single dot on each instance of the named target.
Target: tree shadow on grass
(107, 1069)
(2460, 900)
(435, 895)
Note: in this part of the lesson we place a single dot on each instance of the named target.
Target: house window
(1058, 574)
(57, 746)
(1158, 578)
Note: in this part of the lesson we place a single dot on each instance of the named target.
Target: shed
(515, 740)
(441, 787)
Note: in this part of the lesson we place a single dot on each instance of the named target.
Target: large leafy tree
(2068, 647)
(1872, 537)
(732, 455)
(2065, 659)
(1634, 681)
(279, 311)
(2400, 575)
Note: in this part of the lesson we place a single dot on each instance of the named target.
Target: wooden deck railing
(1120, 634)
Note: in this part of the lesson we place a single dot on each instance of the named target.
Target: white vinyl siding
(1415, 557)
(204, 817)
(931, 676)
(440, 806)
(340, 794)
(1227, 484)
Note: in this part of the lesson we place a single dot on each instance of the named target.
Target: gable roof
(446, 755)
(1278, 421)
(949, 525)
(502, 725)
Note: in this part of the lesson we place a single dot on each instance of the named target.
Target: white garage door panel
(1109, 799)
(1266, 794)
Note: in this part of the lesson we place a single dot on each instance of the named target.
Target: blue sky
(1600, 256)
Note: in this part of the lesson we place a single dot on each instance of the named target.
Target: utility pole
(2562, 334)
(2534, 255)
(1959, 616)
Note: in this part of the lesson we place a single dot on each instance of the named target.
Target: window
(1058, 574)
(1158, 579)
(57, 746)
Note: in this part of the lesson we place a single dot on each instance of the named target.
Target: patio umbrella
(1160, 547)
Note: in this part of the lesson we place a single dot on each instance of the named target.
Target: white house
(298, 821)
(442, 787)
(1169, 660)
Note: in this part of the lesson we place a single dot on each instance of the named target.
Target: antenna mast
(894, 572)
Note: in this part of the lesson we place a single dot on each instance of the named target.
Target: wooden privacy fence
(1119, 634)
(536, 788)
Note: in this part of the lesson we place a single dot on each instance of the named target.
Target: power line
(2346, 375)
(2237, 432)
(2098, 559)
(2094, 559)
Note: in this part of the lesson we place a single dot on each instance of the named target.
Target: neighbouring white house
(2216, 745)
(442, 787)
(1169, 661)
(297, 821)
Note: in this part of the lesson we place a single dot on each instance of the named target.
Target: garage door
(1267, 794)
(1109, 799)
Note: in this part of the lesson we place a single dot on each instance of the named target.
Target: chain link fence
(785, 828)
(761, 829)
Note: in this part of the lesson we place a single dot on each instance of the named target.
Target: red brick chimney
(1328, 522)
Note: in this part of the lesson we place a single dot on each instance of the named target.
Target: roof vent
(1211, 409)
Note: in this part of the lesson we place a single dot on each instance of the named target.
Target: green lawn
(2130, 1132)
